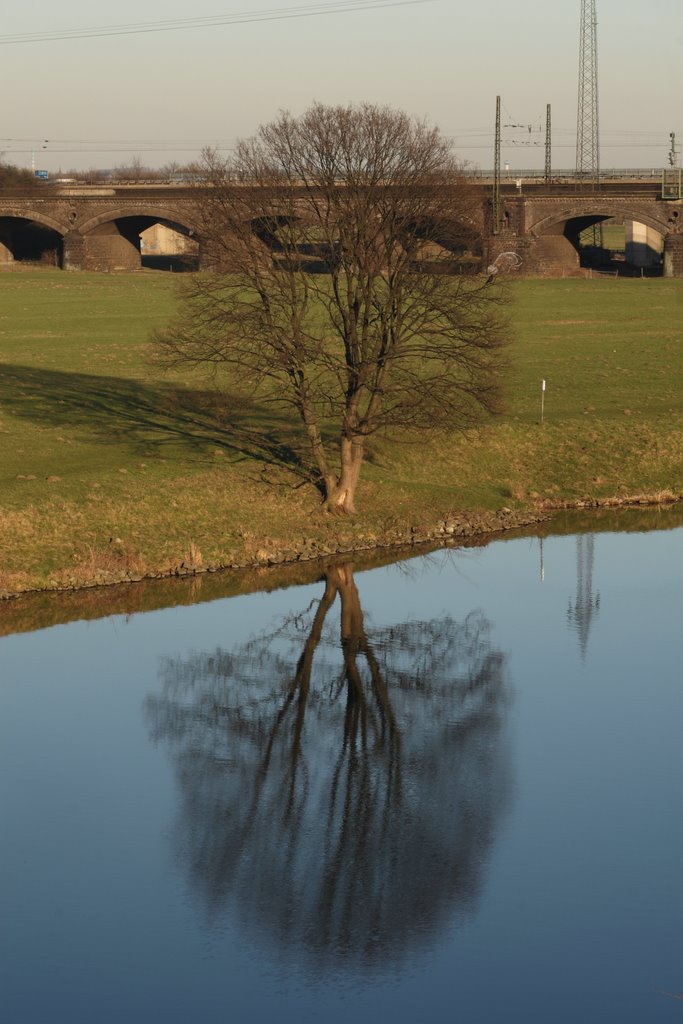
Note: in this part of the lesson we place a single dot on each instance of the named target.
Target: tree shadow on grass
(151, 418)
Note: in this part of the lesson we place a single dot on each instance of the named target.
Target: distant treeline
(134, 173)
(12, 176)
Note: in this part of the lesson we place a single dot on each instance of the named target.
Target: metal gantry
(587, 127)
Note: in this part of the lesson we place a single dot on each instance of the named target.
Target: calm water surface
(443, 790)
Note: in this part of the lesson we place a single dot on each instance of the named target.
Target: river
(447, 788)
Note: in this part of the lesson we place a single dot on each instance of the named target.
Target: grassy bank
(109, 468)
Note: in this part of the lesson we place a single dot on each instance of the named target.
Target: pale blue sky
(163, 95)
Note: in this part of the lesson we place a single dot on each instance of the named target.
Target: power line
(636, 137)
(183, 24)
(195, 150)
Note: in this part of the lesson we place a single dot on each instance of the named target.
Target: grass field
(109, 468)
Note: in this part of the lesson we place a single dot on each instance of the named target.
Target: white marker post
(542, 399)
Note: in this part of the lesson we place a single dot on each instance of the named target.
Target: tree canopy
(340, 785)
(12, 176)
(341, 285)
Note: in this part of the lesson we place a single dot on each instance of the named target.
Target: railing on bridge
(570, 175)
(672, 183)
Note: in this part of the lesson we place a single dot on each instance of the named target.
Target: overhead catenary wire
(461, 135)
(468, 139)
(209, 21)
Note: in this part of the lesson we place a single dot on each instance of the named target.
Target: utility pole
(672, 180)
(548, 146)
(587, 128)
(496, 173)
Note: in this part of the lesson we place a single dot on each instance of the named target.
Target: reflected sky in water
(449, 788)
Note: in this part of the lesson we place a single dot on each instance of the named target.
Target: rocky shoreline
(452, 530)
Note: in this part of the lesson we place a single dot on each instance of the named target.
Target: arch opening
(449, 247)
(167, 245)
(26, 241)
(606, 243)
(616, 245)
(141, 242)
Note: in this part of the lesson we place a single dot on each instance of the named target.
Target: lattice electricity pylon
(582, 613)
(587, 131)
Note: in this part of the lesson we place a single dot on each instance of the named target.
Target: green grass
(109, 467)
(613, 236)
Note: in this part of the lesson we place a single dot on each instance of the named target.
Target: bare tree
(135, 171)
(341, 289)
(341, 785)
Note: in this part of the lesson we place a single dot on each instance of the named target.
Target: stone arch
(267, 228)
(606, 211)
(139, 210)
(137, 235)
(10, 211)
(445, 244)
(30, 236)
(562, 239)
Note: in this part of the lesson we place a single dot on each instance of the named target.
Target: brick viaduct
(544, 228)
(85, 228)
(99, 228)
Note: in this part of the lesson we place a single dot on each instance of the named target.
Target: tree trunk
(352, 628)
(341, 496)
(360, 712)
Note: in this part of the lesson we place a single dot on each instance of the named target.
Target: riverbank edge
(450, 530)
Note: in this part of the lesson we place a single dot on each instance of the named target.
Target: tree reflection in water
(345, 801)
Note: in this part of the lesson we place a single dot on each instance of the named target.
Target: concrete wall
(643, 245)
(163, 240)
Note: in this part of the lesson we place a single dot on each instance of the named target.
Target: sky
(162, 95)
